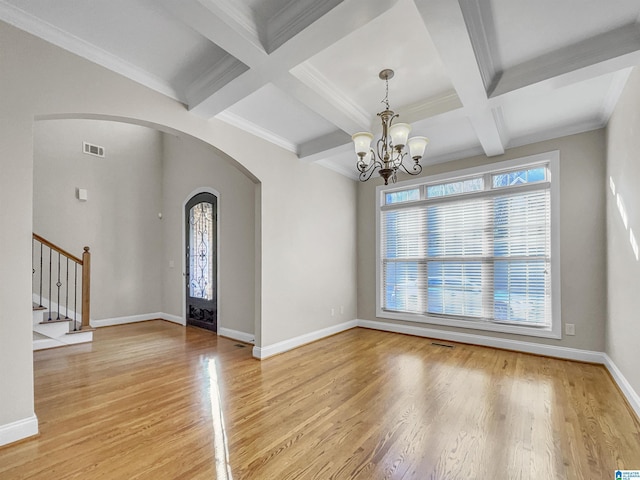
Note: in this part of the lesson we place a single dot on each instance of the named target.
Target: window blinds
(482, 257)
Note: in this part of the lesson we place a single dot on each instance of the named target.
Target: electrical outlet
(333, 312)
(341, 309)
(570, 328)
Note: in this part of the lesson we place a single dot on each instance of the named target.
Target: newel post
(86, 288)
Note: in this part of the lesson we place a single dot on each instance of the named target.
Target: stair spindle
(50, 259)
(75, 297)
(41, 271)
(66, 300)
(58, 284)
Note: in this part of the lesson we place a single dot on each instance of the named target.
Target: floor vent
(239, 345)
(91, 149)
(441, 345)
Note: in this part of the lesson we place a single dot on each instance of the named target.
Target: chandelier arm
(365, 169)
(366, 174)
(399, 159)
(416, 170)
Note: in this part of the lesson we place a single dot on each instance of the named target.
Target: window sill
(469, 324)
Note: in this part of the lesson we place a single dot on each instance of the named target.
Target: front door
(202, 261)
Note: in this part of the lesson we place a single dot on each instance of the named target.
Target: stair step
(85, 329)
(56, 320)
(39, 336)
(42, 342)
(38, 307)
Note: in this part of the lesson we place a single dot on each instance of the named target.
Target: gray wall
(623, 267)
(306, 235)
(582, 238)
(145, 172)
(119, 222)
(190, 164)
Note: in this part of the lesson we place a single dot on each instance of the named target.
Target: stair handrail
(85, 263)
(53, 246)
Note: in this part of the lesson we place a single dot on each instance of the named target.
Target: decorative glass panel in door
(202, 261)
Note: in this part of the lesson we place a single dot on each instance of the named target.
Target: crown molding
(258, 131)
(52, 34)
(431, 107)
(234, 10)
(478, 19)
(293, 17)
(351, 173)
(613, 94)
(216, 77)
(311, 76)
(559, 132)
(451, 156)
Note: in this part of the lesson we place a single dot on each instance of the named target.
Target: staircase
(56, 332)
(61, 284)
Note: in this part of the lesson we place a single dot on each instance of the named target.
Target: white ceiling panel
(584, 103)
(276, 113)
(525, 30)
(455, 134)
(398, 40)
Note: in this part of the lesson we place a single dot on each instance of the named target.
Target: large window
(477, 248)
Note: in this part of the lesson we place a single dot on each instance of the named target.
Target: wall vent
(91, 149)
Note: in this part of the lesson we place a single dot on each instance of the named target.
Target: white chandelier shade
(390, 153)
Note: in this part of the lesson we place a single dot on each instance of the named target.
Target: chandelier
(390, 153)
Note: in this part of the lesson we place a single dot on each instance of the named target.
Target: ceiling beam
(325, 147)
(263, 69)
(208, 105)
(235, 34)
(622, 43)
(446, 25)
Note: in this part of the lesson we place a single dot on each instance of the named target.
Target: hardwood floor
(158, 401)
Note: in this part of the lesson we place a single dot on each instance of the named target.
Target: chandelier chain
(385, 100)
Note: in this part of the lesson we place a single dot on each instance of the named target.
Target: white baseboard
(236, 335)
(474, 339)
(14, 431)
(171, 318)
(108, 322)
(631, 395)
(280, 347)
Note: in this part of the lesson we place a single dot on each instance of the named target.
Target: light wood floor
(157, 401)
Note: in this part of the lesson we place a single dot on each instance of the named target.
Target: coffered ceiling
(475, 76)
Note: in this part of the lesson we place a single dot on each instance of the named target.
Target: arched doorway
(201, 252)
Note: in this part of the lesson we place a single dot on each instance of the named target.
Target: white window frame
(555, 330)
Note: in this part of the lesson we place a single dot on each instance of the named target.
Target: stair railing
(52, 269)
